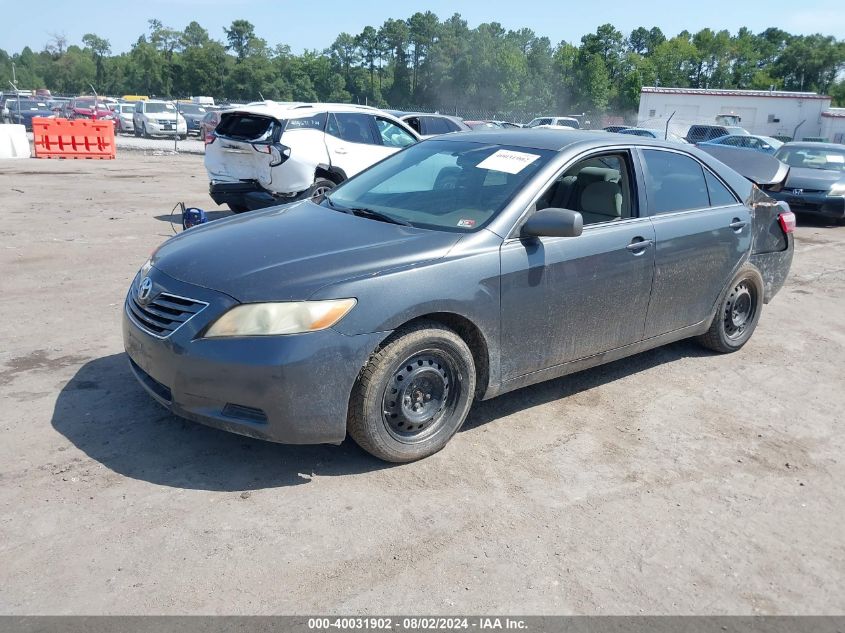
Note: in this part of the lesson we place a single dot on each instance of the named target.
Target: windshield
(812, 158)
(29, 105)
(456, 186)
(537, 122)
(126, 109)
(155, 108)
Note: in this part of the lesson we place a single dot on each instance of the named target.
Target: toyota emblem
(144, 290)
(797, 192)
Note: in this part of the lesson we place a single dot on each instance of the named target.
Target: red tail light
(209, 137)
(787, 221)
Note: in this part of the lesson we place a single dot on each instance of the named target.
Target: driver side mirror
(553, 223)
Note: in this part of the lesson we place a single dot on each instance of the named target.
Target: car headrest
(602, 197)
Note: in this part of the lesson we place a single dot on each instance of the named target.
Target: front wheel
(144, 132)
(738, 314)
(414, 393)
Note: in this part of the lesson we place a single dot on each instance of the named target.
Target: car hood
(806, 178)
(288, 253)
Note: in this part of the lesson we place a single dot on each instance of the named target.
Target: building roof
(706, 92)
(835, 113)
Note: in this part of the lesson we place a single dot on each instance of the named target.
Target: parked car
(158, 118)
(649, 133)
(765, 144)
(123, 121)
(462, 268)
(555, 122)
(208, 124)
(265, 154)
(193, 114)
(428, 125)
(22, 112)
(483, 125)
(88, 108)
(508, 124)
(702, 133)
(816, 181)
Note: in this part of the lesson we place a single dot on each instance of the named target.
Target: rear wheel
(319, 189)
(738, 314)
(414, 393)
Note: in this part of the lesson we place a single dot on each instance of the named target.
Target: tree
(99, 48)
(242, 39)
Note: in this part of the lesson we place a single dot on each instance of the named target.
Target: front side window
(674, 182)
(352, 127)
(445, 185)
(599, 188)
(392, 135)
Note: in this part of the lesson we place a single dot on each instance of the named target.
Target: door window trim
(704, 168)
(634, 178)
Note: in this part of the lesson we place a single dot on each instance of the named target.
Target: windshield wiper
(335, 206)
(377, 215)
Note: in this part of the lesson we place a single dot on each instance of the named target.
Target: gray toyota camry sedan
(461, 268)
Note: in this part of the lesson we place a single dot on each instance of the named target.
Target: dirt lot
(676, 481)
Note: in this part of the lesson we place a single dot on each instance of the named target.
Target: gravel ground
(673, 482)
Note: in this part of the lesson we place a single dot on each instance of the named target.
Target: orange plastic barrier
(81, 138)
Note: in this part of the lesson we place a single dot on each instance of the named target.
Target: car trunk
(243, 148)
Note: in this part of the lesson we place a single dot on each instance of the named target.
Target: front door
(564, 299)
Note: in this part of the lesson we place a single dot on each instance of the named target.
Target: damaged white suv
(271, 153)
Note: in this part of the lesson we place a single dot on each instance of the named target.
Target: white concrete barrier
(13, 141)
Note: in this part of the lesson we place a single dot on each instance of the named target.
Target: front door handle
(638, 245)
(737, 224)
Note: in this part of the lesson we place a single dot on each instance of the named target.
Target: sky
(314, 25)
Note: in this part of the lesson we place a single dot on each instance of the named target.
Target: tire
(136, 132)
(144, 132)
(413, 394)
(237, 208)
(182, 137)
(320, 188)
(738, 314)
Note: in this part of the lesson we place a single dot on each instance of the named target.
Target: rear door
(241, 149)
(352, 142)
(702, 233)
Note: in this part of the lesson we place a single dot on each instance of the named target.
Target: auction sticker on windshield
(508, 161)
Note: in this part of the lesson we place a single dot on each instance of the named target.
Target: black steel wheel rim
(421, 396)
(740, 309)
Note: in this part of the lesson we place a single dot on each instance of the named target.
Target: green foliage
(423, 62)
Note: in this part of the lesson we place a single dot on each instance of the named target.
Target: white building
(833, 125)
(765, 112)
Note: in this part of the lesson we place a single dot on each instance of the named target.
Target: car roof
(287, 109)
(553, 139)
(813, 145)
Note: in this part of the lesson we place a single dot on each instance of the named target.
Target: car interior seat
(601, 202)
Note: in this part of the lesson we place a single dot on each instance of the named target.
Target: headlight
(838, 189)
(267, 319)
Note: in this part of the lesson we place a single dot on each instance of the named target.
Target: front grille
(162, 316)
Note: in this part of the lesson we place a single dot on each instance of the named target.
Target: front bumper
(819, 204)
(291, 389)
(160, 129)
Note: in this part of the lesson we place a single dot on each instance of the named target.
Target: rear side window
(674, 182)
(244, 127)
(314, 122)
(352, 127)
(720, 196)
(392, 135)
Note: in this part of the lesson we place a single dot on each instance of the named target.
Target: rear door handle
(737, 224)
(638, 245)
